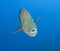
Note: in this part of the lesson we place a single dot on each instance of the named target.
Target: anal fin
(38, 19)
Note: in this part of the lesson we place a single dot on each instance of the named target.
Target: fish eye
(33, 30)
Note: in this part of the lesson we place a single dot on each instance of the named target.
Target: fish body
(28, 25)
(27, 22)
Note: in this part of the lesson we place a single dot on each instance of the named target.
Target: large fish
(28, 25)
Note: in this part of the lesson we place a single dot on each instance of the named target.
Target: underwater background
(48, 37)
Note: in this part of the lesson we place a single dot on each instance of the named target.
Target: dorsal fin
(17, 30)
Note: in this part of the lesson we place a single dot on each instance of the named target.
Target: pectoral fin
(18, 29)
(38, 19)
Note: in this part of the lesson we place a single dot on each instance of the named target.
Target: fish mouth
(33, 34)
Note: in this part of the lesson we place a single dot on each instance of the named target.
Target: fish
(28, 25)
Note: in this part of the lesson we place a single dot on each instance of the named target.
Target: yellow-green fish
(28, 25)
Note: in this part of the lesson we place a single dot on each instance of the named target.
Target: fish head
(32, 32)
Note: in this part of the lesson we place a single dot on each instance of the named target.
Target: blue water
(48, 37)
